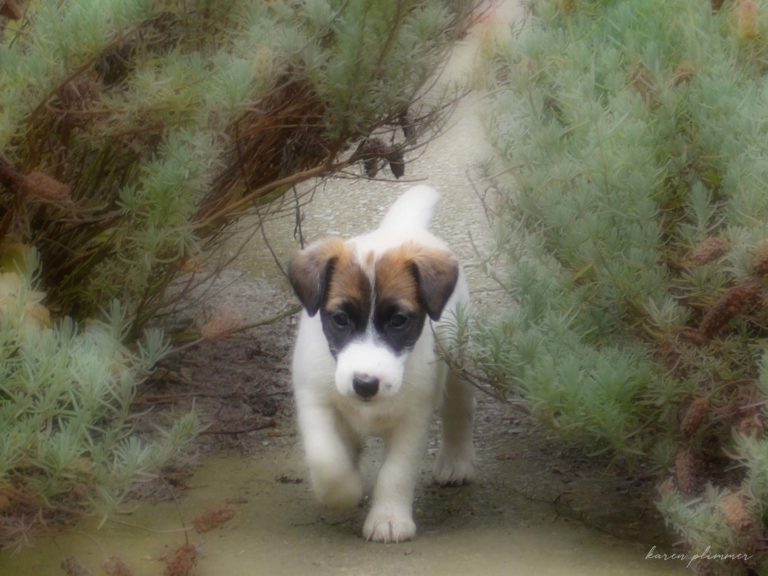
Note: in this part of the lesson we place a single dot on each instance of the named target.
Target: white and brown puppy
(365, 362)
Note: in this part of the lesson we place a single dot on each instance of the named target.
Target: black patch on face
(342, 324)
(398, 327)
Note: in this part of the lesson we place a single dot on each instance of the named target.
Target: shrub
(65, 417)
(133, 134)
(135, 131)
(633, 240)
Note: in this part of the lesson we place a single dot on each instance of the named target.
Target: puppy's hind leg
(456, 460)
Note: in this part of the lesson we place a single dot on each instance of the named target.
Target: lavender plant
(634, 247)
(65, 409)
(135, 132)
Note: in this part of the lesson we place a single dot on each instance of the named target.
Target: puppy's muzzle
(365, 386)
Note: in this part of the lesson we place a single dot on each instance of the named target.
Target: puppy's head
(372, 307)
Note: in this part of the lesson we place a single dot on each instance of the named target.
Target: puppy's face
(372, 308)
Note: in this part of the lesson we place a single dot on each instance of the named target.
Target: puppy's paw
(338, 490)
(387, 525)
(451, 470)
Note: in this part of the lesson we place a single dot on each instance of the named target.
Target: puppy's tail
(413, 209)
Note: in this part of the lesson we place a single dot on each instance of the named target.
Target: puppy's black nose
(365, 386)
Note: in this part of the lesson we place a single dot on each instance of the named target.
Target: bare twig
(269, 247)
(297, 228)
(475, 379)
(288, 311)
(260, 426)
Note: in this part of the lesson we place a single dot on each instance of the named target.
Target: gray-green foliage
(132, 134)
(633, 134)
(167, 120)
(65, 404)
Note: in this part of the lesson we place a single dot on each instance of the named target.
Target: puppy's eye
(340, 320)
(399, 321)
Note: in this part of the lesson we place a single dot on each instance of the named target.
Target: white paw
(338, 490)
(386, 525)
(453, 470)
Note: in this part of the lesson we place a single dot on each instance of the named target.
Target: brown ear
(310, 269)
(436, 273)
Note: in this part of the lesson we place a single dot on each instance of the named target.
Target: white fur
(369, 358)
(412, 211)
(333, 421)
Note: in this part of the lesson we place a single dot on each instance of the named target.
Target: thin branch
(297, 228)
(269, 247)
(473, 379)
(235, 208)
(260, 426)
(286, 312)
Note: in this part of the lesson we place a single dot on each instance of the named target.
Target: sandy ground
(538, 508)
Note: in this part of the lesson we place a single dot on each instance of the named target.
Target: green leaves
(65, 398)
(168, 121)
(635, 131)
(164, 122)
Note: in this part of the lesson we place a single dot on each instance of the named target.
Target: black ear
(437, 273)
(310, 269)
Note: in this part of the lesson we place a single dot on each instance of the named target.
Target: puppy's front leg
(331, 452)
(391, 515)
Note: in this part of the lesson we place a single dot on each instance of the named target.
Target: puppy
(365, 362)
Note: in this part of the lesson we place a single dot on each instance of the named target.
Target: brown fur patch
(309, 271)
(396, 280)
(416, 278)
(326, 274)
(349, 284)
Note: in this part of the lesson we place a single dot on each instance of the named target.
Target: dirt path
(537, 509)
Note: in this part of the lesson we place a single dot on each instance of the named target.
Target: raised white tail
(413, 210)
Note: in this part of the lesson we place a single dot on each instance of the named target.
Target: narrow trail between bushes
(537, 509)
